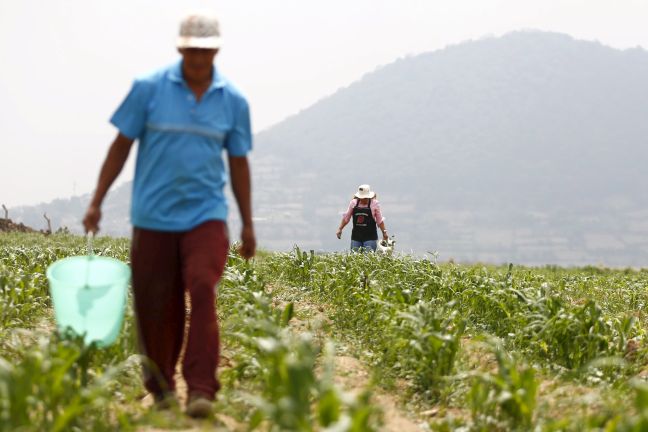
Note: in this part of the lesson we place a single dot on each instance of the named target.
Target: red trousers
(165, 265)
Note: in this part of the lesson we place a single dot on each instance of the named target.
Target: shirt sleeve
(377, 214)
(130, 118)
(239, 140)
(347, 216)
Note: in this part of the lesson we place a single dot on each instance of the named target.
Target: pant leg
(356, 245)
(204, 253)
(370, 245)
(159, 305)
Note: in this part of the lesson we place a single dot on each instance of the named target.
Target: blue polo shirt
(180, 174)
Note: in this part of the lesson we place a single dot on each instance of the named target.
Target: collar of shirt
(175, 75)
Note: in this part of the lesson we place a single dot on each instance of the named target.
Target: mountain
(528, 148)
(69, 212)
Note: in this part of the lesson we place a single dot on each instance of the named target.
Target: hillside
(527, 148)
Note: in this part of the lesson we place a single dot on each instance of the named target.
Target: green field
(451, 347)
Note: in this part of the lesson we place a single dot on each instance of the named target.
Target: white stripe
(196, 130)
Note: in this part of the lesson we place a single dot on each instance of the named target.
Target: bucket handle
(90, 237)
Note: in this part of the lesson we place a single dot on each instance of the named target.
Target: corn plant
(425, 342)
(286, 392)
(572, 337)
(50, 389)
(505, 399)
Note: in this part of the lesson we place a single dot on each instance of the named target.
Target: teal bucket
(89, 296)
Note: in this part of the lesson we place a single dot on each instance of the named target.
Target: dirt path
(177, 421)
(173, 419)
(353, 376)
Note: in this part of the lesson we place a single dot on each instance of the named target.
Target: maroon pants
(166, 265)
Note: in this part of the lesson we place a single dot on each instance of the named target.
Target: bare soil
(353, 376)
(350, 374)
(7, 225)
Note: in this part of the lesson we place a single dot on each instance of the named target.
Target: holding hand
(248, 242)
(91, 219)
(339, 233)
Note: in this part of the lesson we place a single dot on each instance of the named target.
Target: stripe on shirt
(195, 130)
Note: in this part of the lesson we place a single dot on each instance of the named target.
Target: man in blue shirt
(183, 117)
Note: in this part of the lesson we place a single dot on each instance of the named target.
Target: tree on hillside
(49, 225)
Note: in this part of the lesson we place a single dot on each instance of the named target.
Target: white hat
(199, 30)
(364, 191)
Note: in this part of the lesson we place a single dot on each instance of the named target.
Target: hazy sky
(66, 64)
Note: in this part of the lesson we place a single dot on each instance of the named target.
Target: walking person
(364, 210)
(183, 117)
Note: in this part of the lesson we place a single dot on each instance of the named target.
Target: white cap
(199, 30)
(364, 191)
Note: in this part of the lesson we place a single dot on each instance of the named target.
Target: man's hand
(91, 219)
(240, 175)
(248, 242)
(339, 233)
(112, 166)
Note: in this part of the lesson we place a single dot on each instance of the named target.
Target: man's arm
(112, 166)
(241, 186)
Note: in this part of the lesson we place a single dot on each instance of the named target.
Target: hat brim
(212, 42)
(367, 195)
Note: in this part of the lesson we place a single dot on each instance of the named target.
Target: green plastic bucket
(89, 296)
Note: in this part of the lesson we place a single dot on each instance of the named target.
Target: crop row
(412, 316)
(54, 382)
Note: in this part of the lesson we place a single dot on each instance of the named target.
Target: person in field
(364, 210)
(183, 117)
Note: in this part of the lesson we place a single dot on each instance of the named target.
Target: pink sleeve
(347, 216)
(375, 208)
